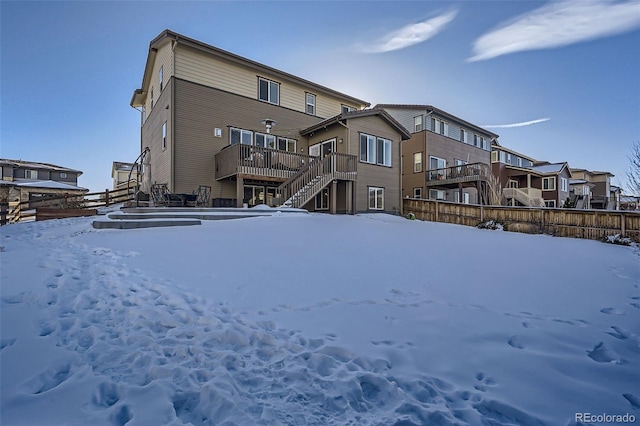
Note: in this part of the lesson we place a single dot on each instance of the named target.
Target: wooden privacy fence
(589, 224)
(67, 205)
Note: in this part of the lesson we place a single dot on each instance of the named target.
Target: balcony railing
(458, 174)
(258, 161)
(525, 196)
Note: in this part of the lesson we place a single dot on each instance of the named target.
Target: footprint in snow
(483, 382)
(611, 311)
(619, 333)
(514, 342)
(601, 353)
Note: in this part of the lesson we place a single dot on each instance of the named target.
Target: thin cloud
(509, 126)
(411, 34)
(559, 24)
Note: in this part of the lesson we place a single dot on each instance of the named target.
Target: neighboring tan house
(580, 193)
(527, 182)
(447, 158)
(23, 181)
(124, 175)
(601, 193)
(258, 135)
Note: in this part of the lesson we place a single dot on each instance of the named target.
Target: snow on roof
(50, 184)
(548, 168)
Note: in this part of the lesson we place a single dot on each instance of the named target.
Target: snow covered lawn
(314, 319)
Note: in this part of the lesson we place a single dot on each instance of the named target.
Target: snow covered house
(23, 181)
(259, 135)
(446, 158)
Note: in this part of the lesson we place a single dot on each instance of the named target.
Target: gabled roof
(359, 114)
(551, 168)
(36, 165)
(168, 35)
(441, 113)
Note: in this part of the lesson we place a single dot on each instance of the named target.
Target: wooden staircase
(316, 175)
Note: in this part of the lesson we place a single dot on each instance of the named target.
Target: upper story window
(151, 96)
(464, 136)
(63, 175)
(375, 150)
(269, 91)
(417, 162)
(160, 77)
(439, 126)
(244, 137)
(347, 108)
(519, 161)
(417, 123)
(564, 184)
(164, 135)
(480, 142)
(548, 184)
(31, 174)
(310, 103)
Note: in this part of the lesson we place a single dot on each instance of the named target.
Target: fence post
(622, 225)
(4, 207)
(106, 196)
(437, 211)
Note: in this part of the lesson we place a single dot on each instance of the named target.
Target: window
(513, 183)
(376, 198)
(151, 96)
(31, 174)
(384, 152)
(375, 150)
(549, 203)
(63, 175)
(519, 162)
(417, 192)
(265, 141)
(417, 123)
(435, 194)
(480, 142)
(269, 91)
(464, 136)
(244, 137)
(322, 199)
(437, 163)
(286, 144)
(564, 184)
(160, 77)
(347, 108)
(548, 184)
(311, 104)
(417, 162)
(465, 197)
(164, 135)
(439, 126)
(503, 157)
(494, 156)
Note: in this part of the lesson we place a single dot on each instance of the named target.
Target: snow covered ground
(314, 319)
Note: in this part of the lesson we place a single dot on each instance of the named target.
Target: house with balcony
(527, 182)
(255, 134)
(22, 181)
(446, 158)
(601, 193)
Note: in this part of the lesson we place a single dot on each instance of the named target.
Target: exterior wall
(216, 72)
(19, 174)
(199, 110)
(159, 158)
(374, 175)
(405, 116)
(411, 179)
(164, 59)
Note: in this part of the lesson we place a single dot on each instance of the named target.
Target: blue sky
(563, 77)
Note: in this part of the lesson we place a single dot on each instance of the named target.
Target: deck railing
(458, 174)
(258, 161)
(527, 196)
